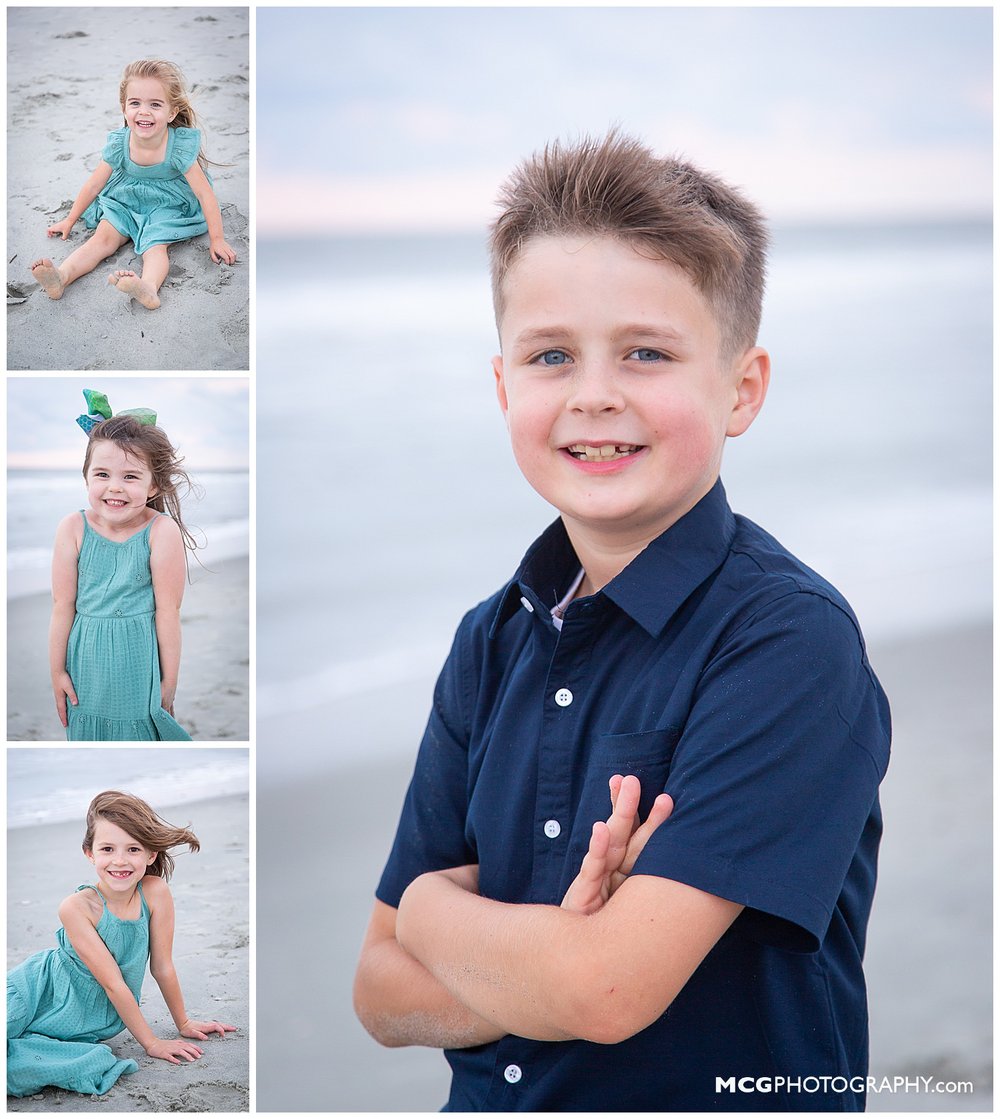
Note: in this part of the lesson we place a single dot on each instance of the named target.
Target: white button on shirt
(512, 1074)
(564, 697)
(552, 829)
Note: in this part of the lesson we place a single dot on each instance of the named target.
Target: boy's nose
(594, 388)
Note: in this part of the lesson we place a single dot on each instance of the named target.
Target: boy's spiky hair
(662, 207)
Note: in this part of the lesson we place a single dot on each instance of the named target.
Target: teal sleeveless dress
(57, 1012)
(112, 656)
(151, 205)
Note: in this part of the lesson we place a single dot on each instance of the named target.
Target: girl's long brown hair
(140, 822)
(150, 444)
(174, 86)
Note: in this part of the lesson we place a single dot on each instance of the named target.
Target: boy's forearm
(400, 1003)
(506, 963)
(547, 973)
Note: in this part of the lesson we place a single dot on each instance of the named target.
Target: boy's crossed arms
(452, 969)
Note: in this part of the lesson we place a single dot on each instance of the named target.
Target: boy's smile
(615, 392)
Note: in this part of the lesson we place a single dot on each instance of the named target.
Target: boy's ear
(501, 387)
(753, 374)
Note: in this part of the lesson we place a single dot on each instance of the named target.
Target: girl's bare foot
(47, 274)
(136, 287)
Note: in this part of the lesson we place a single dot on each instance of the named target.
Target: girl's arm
(65, 554)
(167, 567)
(89, 191)
(78, 922)
(213, 215)
(161, 961)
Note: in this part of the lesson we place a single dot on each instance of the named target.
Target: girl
(62, 1002)
(150, 187)
(118, 574)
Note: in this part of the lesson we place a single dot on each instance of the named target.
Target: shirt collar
(655, 583)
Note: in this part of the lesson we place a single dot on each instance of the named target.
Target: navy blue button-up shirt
(718, 667)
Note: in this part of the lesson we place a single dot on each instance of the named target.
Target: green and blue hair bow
(99, 409)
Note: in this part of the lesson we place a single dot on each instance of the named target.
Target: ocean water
(389, 502)
(52, 785)
(38, 499)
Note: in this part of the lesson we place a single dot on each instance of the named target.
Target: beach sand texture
(63, 70)
(213, 697)
(211, 953)
(929, 950)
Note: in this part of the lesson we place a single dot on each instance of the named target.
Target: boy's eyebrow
(541, 334)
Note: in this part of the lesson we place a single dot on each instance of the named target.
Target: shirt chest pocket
(646, 754)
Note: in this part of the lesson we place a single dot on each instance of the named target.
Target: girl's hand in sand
(173, 1050)
(614, 846)
(60, 229)
(221, 252)
(193, 1028)
(62, 686)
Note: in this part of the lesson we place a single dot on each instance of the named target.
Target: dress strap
(87, 886)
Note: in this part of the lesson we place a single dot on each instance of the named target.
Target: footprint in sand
(134, 286)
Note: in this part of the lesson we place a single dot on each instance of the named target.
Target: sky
(383, 119)
(206, 418)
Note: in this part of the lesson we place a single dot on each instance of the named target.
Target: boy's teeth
(602, 453)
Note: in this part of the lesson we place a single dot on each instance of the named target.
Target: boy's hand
(200, 1030)
(221, 252)
(614, 846)
(60, 229)
(173, 1050)
(62, 687)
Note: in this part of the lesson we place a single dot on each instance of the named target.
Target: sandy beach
(929, 950)
(211, 953)
(213, 694)
(64, 67)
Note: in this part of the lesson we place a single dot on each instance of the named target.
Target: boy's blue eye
(553, 357)
(647, 355)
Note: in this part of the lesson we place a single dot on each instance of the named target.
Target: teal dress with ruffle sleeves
(58, 1014)
(151, 205)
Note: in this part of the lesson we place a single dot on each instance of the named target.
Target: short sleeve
(114, 149)
(775, 777)
(431, 831)
(187, 145)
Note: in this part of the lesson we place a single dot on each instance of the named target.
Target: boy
(712, 959)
